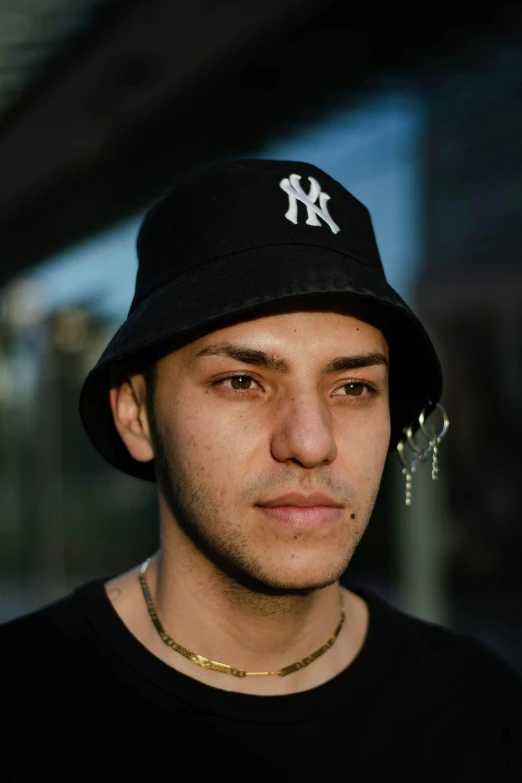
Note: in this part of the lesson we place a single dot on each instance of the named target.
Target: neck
(223, 621)
(263, 623)
(218, 618)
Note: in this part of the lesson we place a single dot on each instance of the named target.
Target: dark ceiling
(148, 90)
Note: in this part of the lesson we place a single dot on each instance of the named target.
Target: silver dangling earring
(407, 470)
(435, 439)
(420, 455)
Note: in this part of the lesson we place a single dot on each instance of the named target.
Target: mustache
(268, 487)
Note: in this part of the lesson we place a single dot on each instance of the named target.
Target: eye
(239, 383)
(356, 388)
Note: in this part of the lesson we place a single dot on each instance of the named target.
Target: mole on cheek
(352, 516)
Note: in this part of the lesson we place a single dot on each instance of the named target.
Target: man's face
(288, 402)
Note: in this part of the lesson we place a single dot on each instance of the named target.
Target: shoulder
(52, 660)
(435, 647)
(49, 617)
(444, 664)
(476, 695)
(459, 693)
(47, 638)
(464, 654)
(464, 677)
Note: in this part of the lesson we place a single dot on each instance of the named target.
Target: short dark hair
(151, 375)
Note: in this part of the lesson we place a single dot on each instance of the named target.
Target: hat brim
(234, 285)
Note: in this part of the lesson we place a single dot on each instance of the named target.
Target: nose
(303, 431)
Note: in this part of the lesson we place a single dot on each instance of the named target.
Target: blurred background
(416, 111)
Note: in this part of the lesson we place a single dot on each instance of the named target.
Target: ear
(127, 399)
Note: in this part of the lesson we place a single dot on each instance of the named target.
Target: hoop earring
(420, 455)
(435, 439)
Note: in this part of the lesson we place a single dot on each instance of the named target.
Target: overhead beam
(169, 85)
(159, 49)
(154, 53)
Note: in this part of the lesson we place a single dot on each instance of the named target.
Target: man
(263, 375)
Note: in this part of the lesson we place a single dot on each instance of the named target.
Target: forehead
(312, 329)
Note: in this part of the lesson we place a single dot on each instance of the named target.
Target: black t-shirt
(83, 699)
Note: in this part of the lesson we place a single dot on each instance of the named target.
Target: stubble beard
(192, 506)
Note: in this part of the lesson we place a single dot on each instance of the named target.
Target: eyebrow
(242, 353)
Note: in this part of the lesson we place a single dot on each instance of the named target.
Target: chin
(306, 577)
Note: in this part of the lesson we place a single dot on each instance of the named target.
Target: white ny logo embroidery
(292, 187)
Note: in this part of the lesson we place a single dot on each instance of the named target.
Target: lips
(297, 499)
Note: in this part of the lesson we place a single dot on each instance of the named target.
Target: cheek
(212, 446)
(366, 452)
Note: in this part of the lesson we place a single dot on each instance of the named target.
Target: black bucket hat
(236, 236)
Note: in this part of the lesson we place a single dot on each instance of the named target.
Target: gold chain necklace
(223, 667)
